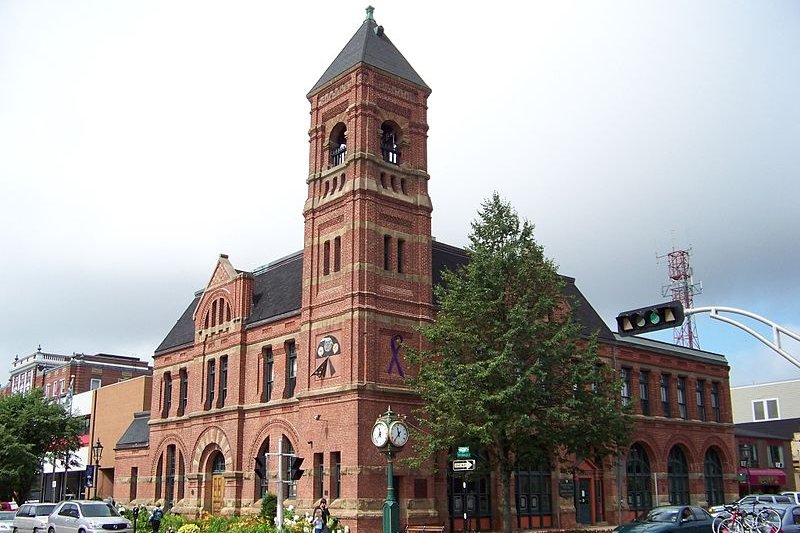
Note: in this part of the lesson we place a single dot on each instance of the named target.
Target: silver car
(32, 517)
(6, 521)
(87, 516)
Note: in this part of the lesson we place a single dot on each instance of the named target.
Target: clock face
(380, 434)
(398, 434)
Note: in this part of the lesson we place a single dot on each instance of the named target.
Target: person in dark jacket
(155, 518)
(322, 505)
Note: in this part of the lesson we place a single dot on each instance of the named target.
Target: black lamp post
(97, 453)
(747, 461)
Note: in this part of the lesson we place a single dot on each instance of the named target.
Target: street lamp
(97, 453)
(747, 461)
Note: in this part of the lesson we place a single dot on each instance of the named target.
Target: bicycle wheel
(768, 520)
(731, 525)
(718, 520)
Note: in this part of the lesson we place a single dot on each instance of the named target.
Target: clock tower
(367, 250)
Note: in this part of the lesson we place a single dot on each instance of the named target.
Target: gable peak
(223, 272)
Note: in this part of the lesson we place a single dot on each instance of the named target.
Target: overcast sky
(140, 139)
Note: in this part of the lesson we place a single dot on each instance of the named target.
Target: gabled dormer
(225, 302)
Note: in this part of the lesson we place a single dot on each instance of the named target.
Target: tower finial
(370, 11)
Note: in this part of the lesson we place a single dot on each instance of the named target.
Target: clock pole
(389, 443)
(391, 511)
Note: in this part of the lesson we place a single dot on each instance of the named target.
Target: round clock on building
(398, 434)
(380, 434)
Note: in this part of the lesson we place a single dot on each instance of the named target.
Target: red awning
(764, 476)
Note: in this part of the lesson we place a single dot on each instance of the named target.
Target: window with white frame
(95, 383)
(765, 409)
(775, 456)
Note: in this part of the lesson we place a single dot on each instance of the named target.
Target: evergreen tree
(30, 427)
(506, 370)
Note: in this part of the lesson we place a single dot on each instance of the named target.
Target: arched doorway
(215, 483)
(712, 472)
(678, 477)
(640, 494)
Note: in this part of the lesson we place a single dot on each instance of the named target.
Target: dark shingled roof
(138, 433)
(277, 294)
(372, 47)
(451, 257)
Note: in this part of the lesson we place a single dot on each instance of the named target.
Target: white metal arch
(774, 344)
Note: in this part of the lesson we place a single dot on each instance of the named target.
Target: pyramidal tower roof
(372, 47)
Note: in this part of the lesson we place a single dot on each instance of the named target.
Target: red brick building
(55, 373)
(301, 354)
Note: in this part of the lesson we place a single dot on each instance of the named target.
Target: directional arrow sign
(463, 464)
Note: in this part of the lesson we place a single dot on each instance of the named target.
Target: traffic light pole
(774, 344)
(279, 513)
(280, 480)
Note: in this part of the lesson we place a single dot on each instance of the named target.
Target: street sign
(463, 465)
(463, 452)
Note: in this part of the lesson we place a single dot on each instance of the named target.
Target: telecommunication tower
(682, 288)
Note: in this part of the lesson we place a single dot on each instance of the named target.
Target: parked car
(671, 519)
(794, 496)
(752, 501)
(86, 516)
(32, 517)
(790, 518)
(6, 521)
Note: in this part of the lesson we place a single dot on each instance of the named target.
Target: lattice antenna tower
(682, 288)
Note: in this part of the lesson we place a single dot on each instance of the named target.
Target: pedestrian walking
(155, 518)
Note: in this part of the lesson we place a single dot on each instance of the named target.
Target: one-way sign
(463, 464)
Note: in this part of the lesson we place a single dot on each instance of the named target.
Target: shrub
(189, 528)
(252, 524)
(269, 507)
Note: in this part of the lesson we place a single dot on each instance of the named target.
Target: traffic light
(261, 467)
(651, 318)
(294, 468)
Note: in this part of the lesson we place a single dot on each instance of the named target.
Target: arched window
(218, 466)
(218, 313)
(678, 477)
(640, 494)
(262, 470)
(159, 479)
(289, 487)
(712, 470)
(181, 476)
(169, 485)
(390, 138)
(338, 144)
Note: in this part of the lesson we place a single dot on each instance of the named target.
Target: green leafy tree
(31, 426)
(506, 369)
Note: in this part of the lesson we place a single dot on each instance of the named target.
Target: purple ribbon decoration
(395, 346)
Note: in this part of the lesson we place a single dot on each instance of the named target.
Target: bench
(424, 529)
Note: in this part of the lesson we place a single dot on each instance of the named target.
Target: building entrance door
(583, 501)
(217, 493)
(214, 497)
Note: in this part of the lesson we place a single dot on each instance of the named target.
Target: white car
(6, 521)
(794, 496)
(754, 501)
(32, 517)
(87, 516)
